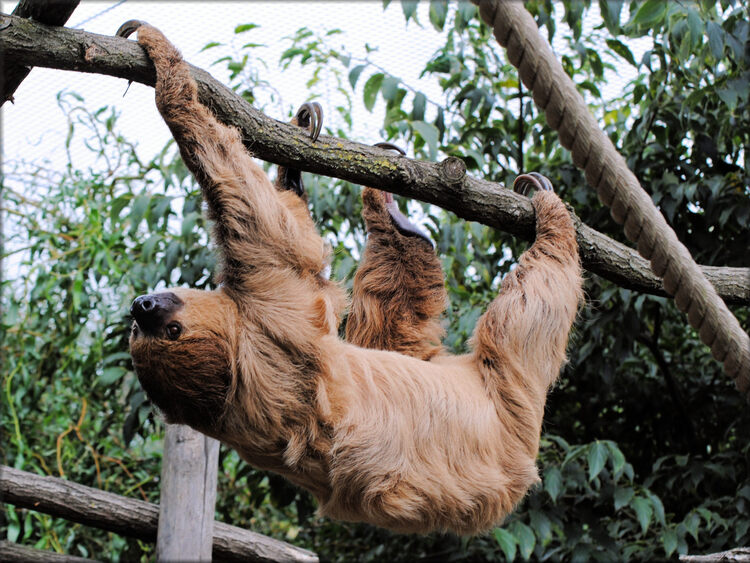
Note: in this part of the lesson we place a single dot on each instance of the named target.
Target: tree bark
(132, 518)
(444, 184)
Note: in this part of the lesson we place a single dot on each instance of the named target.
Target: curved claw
(129, 27)
(390, 146)
(401, 221)
(310, 115)
(523, 183)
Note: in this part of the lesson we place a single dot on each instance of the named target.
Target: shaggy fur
(375, 431)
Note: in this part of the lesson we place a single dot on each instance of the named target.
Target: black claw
(129, 27)
(523, 183)
(390, 146)
(310, 115)
(401, 221)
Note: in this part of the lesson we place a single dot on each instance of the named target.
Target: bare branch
(444, 184)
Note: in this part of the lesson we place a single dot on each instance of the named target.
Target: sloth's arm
(519, 342)
(398, 293)
(254, 227)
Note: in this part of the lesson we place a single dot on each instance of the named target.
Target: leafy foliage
(645, 455)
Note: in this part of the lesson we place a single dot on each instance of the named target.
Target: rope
(617, 187)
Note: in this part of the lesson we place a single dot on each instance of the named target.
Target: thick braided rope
(617, 187)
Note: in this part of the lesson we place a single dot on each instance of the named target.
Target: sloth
(383, 426)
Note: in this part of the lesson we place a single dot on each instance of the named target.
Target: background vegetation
(645, 451)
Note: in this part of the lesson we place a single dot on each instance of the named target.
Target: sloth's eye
(174, 330)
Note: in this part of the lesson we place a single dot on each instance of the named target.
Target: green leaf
(354, 74)
(658, 507)
(715, 40)
(541, 523)
(116, 357)
(372, 86)
(390, 87)
(643, 512)
(621, 49)
(525, 538)
(438, 12)
(610, 11)
(691, 522)
(14, 525)
(695, 24)
(245, 27)
(506, 541)
(188, 223)
(617, 458)
(148, 247)
(553, 482)
(117, 206)
(138, 209)
(430, 135)
(409, 8)
(623, 497)
(417, 112)
(669, 542)
(597, 458)
(210, 45)
(111, 374)
(650, 13)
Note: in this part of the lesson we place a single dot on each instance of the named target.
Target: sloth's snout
(152, 312)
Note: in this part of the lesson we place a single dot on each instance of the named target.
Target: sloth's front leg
(399, 292)
(308, 116)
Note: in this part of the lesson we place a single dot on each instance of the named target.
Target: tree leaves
(650, 13)
(371, 89)
(643, 511)
(597, 457)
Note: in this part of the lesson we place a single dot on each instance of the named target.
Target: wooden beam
(131, 517)
(15, 553)
(187, 496)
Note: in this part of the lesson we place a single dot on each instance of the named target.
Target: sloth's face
(182, 344)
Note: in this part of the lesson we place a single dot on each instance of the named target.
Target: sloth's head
(183, 348)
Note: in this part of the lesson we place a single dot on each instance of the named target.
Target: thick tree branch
(444, 184)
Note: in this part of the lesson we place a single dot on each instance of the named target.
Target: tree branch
(444, 184)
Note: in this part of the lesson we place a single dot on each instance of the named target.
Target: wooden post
(188, 495)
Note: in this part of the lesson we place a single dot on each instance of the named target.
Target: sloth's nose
(152, 312)
(143, 304)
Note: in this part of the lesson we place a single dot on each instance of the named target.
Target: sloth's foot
(524, 183)
(308, 116)
(400, 221)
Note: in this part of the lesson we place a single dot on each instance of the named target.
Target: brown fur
(398, 293)
(376, 435)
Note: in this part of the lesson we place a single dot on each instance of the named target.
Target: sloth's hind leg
(399, 291)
